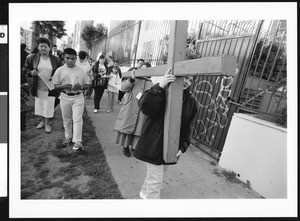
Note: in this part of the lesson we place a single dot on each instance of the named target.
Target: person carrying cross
(150, 145)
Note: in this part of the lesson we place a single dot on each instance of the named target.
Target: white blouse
(44, 68)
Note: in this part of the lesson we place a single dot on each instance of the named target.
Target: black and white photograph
(152, 110)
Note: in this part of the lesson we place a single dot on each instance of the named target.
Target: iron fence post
(137, 41)
(249, 60)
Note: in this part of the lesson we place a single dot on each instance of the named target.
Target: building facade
(26, 36)
(78, 43)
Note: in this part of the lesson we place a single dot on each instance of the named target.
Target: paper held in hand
(45, 79)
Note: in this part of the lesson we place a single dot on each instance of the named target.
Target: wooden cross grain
(220, 65)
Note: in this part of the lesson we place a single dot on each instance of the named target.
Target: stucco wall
(257, 151)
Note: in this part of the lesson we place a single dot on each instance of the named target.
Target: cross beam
(219, 65)
(223, 64)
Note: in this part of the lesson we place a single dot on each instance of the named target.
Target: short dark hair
(193, 77)
(54, 46)
(147, 64)
(42, 40)
(23, 46)
(102, 57)
(141, 60)
(116, 67)
(70, 51)
(82, 55)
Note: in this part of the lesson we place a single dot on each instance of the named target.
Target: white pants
(72, 110)
(153, 181)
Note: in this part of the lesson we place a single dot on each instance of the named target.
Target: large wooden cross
(224, 65)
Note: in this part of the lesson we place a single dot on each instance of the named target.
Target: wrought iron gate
(264, 89)
(214, 93)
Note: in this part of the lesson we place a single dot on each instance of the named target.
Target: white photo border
(18, 208)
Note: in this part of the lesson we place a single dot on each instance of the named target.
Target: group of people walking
(140, 122)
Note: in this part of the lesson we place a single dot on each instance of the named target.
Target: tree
(22, 32)
(50, 28)
(191, 52)
(91, 33)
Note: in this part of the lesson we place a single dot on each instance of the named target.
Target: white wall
(257, 151)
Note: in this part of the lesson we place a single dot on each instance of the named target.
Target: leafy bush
(268, 60)
(191, 52)
(279, 118)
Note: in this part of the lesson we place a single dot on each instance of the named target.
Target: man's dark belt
(71, 94)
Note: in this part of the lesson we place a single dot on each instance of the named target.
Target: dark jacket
(32, 62)
(24, 54)
(150, 145)
(98, 81)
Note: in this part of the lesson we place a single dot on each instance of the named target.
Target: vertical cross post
(176, 52)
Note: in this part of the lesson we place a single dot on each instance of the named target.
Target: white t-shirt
(74, 75)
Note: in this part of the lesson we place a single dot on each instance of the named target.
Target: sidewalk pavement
(193, 177)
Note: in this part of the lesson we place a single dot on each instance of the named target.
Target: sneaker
(41, 125)
(66, 142)
(126, 151)
(108, 111)
(78, 146)
(47, 128)
(95, 111)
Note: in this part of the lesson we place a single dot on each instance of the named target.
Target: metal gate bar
(203, 98)
(265, 63)
(256, 64)
(272, 69)
(217, 111)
